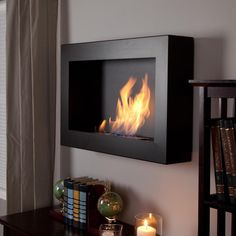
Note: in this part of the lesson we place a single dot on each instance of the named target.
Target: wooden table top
(41, 223)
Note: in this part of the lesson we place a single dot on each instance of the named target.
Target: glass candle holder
(148, 224)
(110, 230)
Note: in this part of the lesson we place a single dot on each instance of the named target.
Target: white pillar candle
(146, 230)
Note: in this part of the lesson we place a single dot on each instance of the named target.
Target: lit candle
(146, 230)
(107, 233)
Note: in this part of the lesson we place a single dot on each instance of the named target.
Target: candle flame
(150, 215)
(145, 223)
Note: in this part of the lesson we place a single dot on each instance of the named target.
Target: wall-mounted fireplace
(129, 97)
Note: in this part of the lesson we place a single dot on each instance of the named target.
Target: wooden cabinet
(217, 92)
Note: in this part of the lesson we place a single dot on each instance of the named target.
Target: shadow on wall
(128, 194)
(65, 163)
(64, 24)
(209, 58)
(208, 65)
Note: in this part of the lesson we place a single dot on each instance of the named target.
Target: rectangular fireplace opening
(99, 83)
(129, 97)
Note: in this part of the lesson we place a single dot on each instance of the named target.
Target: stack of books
(223, 135)
(80, 202)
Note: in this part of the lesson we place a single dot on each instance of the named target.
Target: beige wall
(170, 191)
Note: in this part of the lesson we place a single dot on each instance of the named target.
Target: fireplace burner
(111, 82)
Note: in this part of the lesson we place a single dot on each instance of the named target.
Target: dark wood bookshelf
(213, 83)
(209, 91)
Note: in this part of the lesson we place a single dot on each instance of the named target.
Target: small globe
(110, 204)
(58, 189)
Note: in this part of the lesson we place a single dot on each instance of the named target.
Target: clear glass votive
(110, 230)
(148, 224)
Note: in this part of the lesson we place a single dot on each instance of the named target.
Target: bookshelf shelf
(214, 203)
(209, 91)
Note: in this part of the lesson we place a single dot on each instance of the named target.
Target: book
(77, 209)
(234, 127)
(230, 136)
(229, 153)
(218, 160)
(84, 190)
(94, 218)
(68, 201)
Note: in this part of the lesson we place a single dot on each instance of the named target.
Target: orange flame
(102, 126)
(131, 113)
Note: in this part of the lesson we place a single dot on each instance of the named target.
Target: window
(3, 149)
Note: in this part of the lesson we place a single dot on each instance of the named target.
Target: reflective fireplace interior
(129, 97)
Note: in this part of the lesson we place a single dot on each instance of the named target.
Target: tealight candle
(110, 230)
(107, 233)
(146, 230)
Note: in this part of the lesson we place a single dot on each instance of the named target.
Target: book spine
(229, 130)
(226, 159)
(68, 201)
(83, 200)
(218, 160)
(234, 129)
(76, 223)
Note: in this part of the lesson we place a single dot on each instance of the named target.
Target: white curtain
(31, 102)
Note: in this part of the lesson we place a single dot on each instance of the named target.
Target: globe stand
(62, 205)
(111, 220)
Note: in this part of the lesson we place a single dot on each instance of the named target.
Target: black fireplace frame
(173, 97)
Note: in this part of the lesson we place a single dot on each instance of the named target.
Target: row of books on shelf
(223, 136)
(80, 202)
